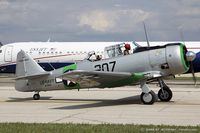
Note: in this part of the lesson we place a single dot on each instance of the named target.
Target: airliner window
(0, 51)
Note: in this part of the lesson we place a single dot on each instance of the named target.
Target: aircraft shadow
(16, 99)
(101, 103)
(84, 103)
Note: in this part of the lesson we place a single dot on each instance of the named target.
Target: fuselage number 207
(106, 66)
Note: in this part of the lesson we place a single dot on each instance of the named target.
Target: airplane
(116, 70)
(53, 55)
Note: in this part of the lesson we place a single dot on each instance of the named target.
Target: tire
(148, 98)
(36, 96)
(165, 94)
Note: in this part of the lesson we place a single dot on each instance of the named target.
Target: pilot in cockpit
(93, 57)
(98, 57)
(127, 48)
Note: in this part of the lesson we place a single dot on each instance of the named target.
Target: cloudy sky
(99, 20)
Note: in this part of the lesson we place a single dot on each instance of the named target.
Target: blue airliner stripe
(46, 66)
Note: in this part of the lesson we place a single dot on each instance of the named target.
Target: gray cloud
(110, 21)
(113, 20)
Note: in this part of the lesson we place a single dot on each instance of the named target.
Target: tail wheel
(36, 96)
(165, 94)
(148, 98)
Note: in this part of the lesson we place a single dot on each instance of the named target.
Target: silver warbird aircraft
(143, 65)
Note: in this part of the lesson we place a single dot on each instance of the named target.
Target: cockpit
(116, 50)
(120, 49)
(92, 56)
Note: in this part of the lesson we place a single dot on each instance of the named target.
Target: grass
(91, 128)
(186, 78)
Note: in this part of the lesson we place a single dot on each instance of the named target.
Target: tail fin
(26, 70)
(26, 66)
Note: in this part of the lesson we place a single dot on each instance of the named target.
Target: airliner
(53, 55)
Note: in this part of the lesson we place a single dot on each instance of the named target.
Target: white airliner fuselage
(52, 55)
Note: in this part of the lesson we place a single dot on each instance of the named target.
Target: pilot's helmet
(127, 46)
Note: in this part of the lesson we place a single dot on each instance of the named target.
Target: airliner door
(8, 54)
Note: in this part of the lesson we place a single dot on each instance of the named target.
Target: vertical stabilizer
(26, 66)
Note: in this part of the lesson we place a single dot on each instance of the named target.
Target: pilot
(98, 57)
(91, 56)
(127, 48)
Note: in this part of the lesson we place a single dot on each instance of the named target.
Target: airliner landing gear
(36, 96)
(164, 94)
(147, 96)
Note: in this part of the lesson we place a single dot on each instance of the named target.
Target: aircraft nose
(190, 56)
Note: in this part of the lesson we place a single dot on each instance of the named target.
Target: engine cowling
(176, 56)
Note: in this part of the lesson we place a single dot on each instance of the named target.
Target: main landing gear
(147, 96)
(36, 96)
(164, 94)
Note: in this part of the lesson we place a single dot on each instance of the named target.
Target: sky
(99, 20)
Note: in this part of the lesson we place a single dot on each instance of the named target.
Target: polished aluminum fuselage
(168, 60)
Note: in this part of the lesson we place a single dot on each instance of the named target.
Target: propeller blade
(193, 74)
(190, 57)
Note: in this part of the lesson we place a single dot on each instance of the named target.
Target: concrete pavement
(116, 105)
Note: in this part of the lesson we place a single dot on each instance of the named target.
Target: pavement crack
(69, 116)
(91, 120)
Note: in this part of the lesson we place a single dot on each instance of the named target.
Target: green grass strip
(186, 78)
(92, 128)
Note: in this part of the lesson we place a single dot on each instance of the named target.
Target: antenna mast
(146, 35)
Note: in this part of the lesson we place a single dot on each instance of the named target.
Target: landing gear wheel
(148, 98)
(36, 96)
(165, 94)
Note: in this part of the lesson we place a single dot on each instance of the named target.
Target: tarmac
(116, 105)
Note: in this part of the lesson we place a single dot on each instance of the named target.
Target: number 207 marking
(106, 66)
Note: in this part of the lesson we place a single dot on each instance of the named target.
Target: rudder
(26, 66)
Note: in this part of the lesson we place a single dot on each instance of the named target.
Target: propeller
(190, 57)
(1, 44)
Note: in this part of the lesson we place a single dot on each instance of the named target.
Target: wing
(94, 78)
(100, 79)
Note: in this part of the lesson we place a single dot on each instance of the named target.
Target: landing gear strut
(36, 96)
(147, 96)
(164, 94)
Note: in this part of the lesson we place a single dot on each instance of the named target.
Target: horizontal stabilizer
(32, 76)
